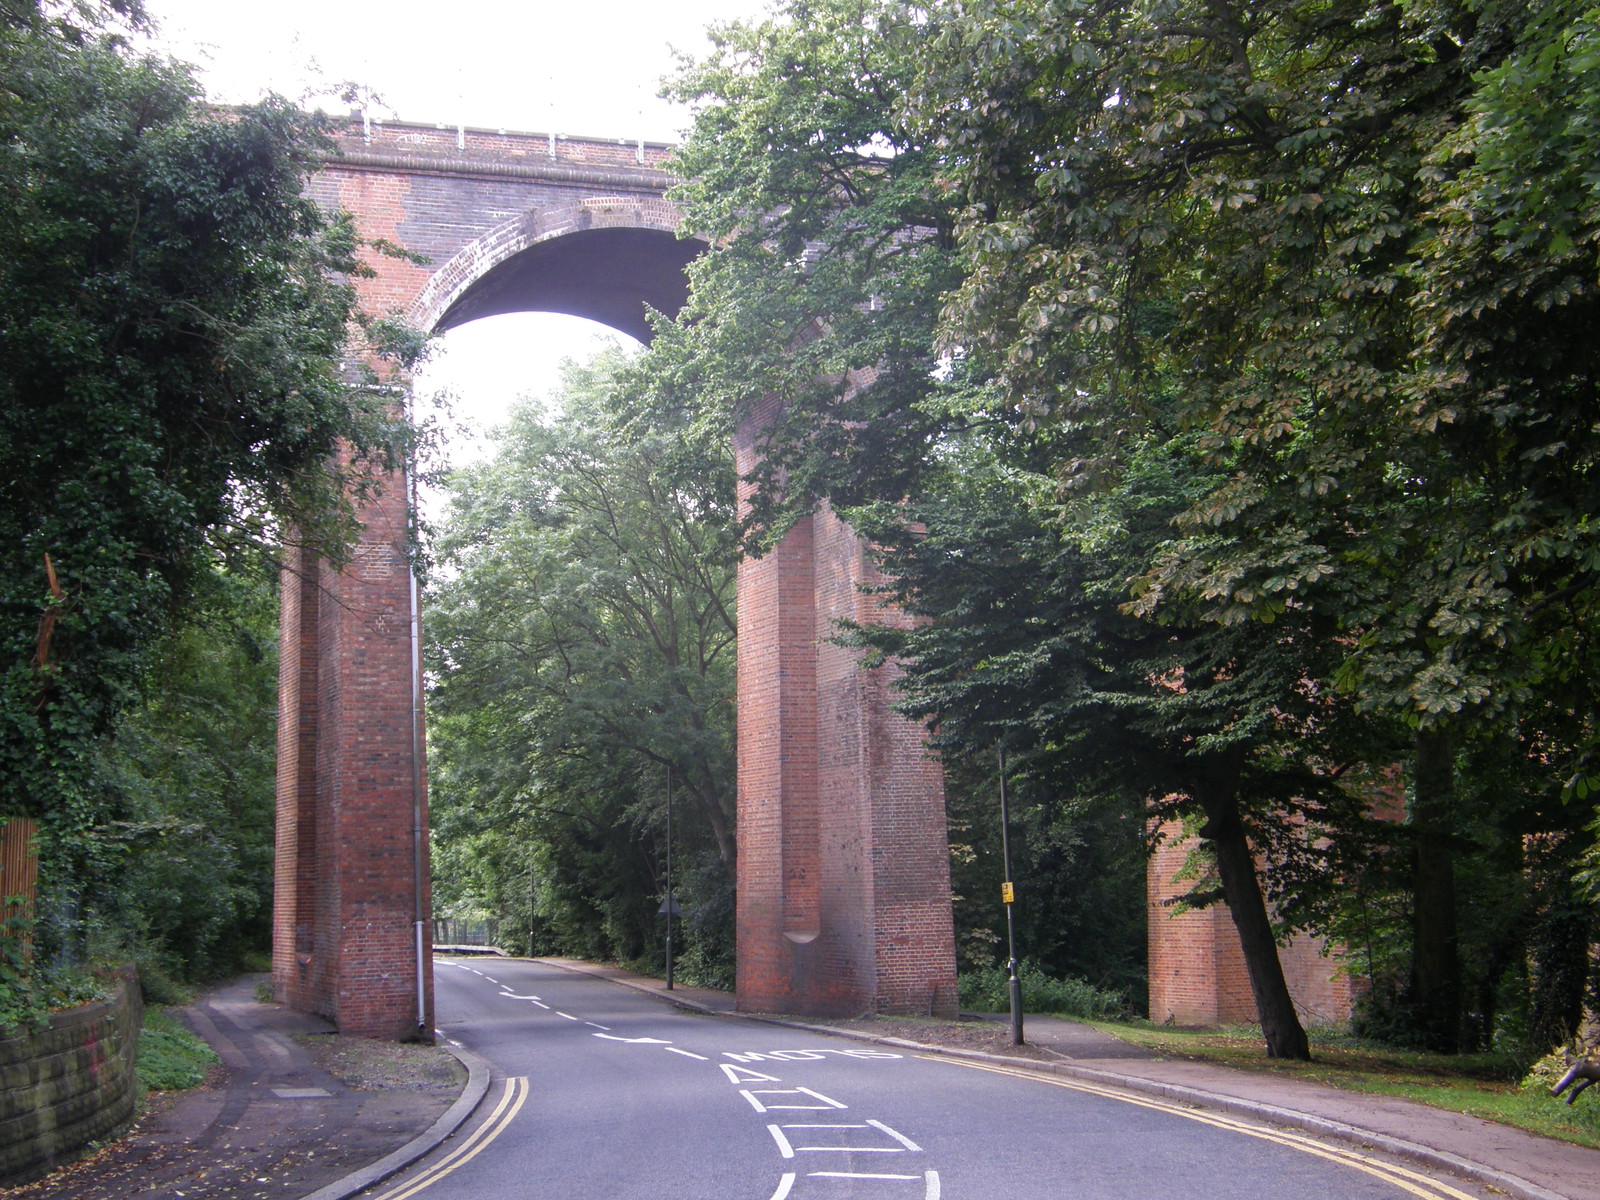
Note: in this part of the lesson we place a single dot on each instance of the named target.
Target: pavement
(292, 1111)
(289, 1117)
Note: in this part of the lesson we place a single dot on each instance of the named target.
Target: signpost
(1008, 896)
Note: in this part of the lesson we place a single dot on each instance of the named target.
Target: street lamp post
(672, 901)
(1008, 895)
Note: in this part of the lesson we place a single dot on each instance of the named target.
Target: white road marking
(510, 995)
(899, 1137)
(768, 1106)
(905, 1142)
(749, 1056)
(687, 1054)
(784, 1148)
(592, 1025)
(933, 1185)
(745, 1075)
(568, 1016)
(542, 1005)
(784, 1185)
(611, 1037)
(856, 1175)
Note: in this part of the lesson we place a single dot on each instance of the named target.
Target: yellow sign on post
(1008, 894)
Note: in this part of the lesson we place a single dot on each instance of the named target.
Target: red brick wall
(844, 885)
(843, 900)
(344, 922)
(1197, 971)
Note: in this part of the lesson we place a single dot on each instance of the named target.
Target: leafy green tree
(582, 643)
(1027, 645)
(831, 244)
(1303, 220)
(173, 383)
(192, 768)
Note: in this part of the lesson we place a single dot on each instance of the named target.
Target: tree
(185, 875)
(1295, 218)
(173, 383)
(1026, 644)
(830, 235)
(583, 646)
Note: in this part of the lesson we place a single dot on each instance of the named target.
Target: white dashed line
(568, 1016)
(687, 1054)
(858, 1175)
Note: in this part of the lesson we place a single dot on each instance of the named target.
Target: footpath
(287, 1120)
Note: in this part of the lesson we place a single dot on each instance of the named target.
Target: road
(604, 1093)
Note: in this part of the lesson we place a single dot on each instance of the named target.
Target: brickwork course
(843, 879)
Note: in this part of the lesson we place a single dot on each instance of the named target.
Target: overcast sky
(579, 69)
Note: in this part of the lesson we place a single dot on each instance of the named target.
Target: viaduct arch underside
(843, 875)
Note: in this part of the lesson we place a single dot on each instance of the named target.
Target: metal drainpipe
(418, 830)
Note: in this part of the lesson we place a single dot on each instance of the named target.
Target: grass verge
(170, 1057)
(1481, 1085)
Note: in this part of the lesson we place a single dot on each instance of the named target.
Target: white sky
(577, 69)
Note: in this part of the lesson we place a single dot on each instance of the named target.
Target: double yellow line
(1407, 1180)
(511, 1102)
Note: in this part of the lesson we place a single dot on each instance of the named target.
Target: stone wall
(69, 1085)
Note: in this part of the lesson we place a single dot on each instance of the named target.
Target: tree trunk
(1435, 963)
(1241, 889)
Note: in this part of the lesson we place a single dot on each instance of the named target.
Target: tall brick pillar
(1197, 970)
(844, 876)
(350, 787)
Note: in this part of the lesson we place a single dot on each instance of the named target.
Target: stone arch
(607, 258)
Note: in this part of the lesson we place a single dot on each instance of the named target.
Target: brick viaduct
(843, 876)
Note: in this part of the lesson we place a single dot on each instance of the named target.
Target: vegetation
(1213, 379)
(174, 385)
(581, 639)
(1481, 1084)
(170, 1057)
(1251, 449)
(989, 990)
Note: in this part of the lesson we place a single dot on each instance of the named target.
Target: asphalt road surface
(604, 1093)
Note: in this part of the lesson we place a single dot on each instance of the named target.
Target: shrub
(989, 990)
